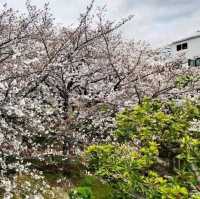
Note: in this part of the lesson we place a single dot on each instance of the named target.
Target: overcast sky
(156, 21)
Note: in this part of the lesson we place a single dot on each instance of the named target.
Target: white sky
(156, 21)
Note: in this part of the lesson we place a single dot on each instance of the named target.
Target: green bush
(157, 154)
(81, 193)
(99, 189)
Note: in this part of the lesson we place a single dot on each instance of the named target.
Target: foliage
(183, 81)
(81, 193)
(100, 189)
(158, 151)
(91, 187)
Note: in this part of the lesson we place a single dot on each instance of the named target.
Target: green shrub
(81, 193)
(157, 154)
(100, 190)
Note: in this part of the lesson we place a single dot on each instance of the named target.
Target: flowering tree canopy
(60, 87)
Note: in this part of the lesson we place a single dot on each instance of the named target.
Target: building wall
(193, 50)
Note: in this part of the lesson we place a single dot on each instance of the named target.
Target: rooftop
(194, 36)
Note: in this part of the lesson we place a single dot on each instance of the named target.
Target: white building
(188, 47)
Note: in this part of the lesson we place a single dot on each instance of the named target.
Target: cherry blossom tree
(60, 87)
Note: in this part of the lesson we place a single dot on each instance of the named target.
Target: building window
(178, 47)
(191, 62)
(194, 62)
(182, 46)
(197, 62)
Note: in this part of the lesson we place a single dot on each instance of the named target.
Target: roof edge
(185, 39)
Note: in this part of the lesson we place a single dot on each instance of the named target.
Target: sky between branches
(156, 21)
